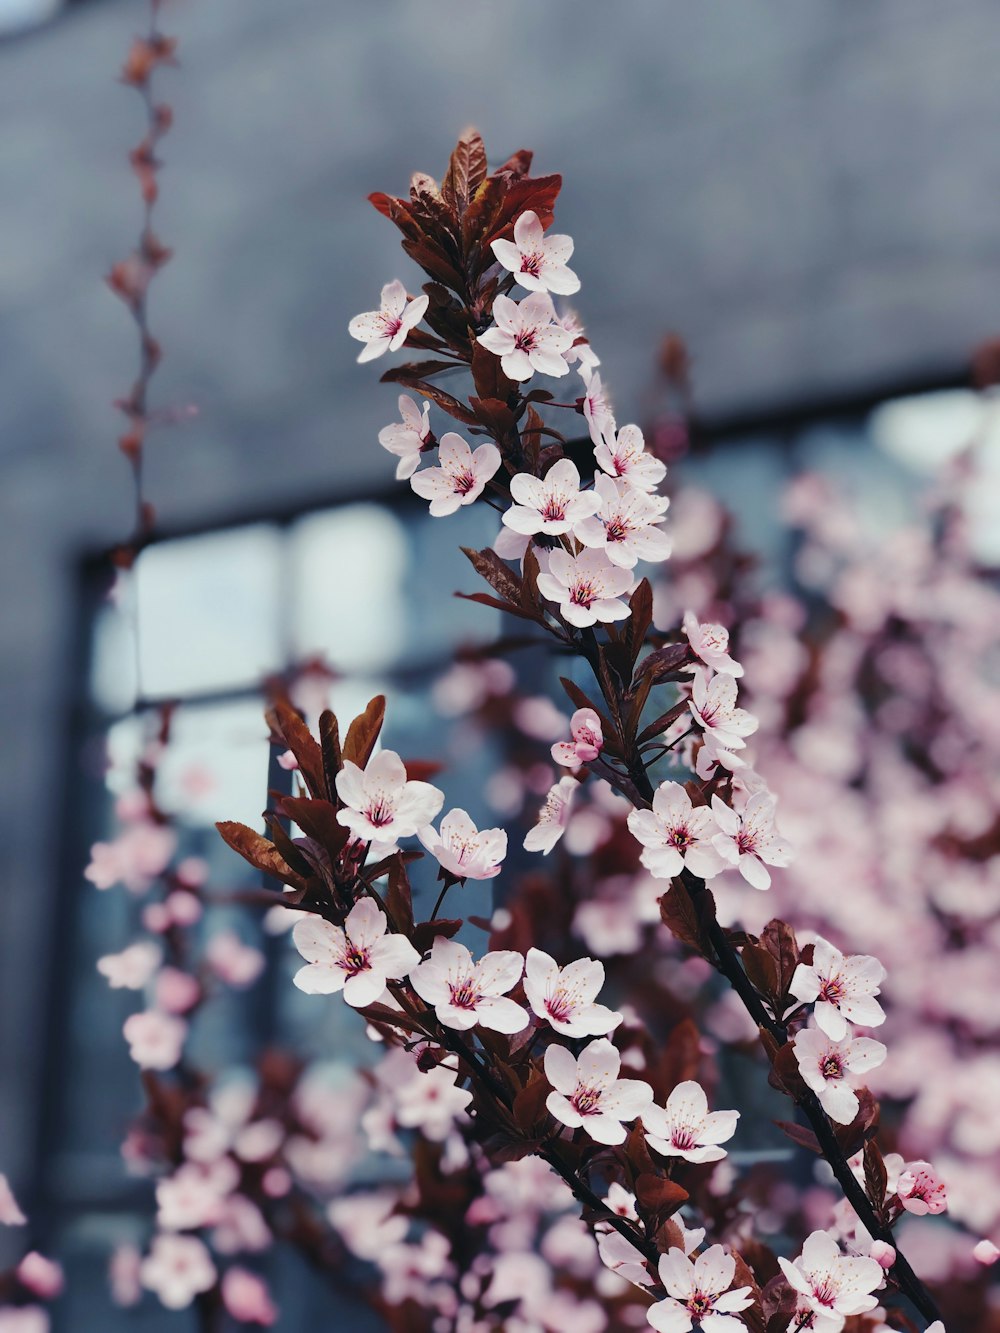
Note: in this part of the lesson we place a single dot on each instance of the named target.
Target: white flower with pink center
(382, 805)
(155, 1039)
(621, 1202)
(587, 743)
(193, 1196)
(833, 1285)
(552, 504)
(588, 1092)
(676, 835)
(357, 959)
(460, 479)
(432, 1103)
(686, 1128)
(596, 406)
(623, 454)
(552, 818)
(710, 642)
(177, 1269)
(385, 329)
(464, 850)
(580, 354)
(527, 337)
(842, 989)
(698, 1293)
(133, 967)
(537, 261)
(625, 525)
(565, 996)
(588, 587)
(713, 706)
(466, 994)
(832, 1069)
(749, 840)
(921, 1190)
(406, 438)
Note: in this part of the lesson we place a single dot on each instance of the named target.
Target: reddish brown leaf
(497, 574)
(258, 851)
(363, 732)
(286, 723)
(679, 914)
(657, 1194)
(466, 170)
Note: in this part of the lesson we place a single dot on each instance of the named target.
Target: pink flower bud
(883, 1254)
(985, 1253)
(41, 1276)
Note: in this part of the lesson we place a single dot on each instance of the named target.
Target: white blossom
(552, 504)
(749, 840)
(587, 587)
(686, 1128)
(464, 850)
(623, 454)
(588, 1092)
(537, 261)
(625, 525)
(831, 1068)
(358, 959)
(710, 642)
(552, 818)
(833, 1285)
(461, 477)
(676, 835)
(565, 996)
(465, 993)
(527, 338)
(698, 1293)
(842, 989)
(406, 438)
(385, 329)
(381, 804)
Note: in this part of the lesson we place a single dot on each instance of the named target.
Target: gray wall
(806, 190)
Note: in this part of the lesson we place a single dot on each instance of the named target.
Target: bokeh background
(806, 194)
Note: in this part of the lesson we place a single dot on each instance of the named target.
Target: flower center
(584, 593)
(532, 263)
(355, 960)
(555, 509)
(464, 995)
(680, 838)
(391, 324)
(380, 812)
(831, 1067)
(617, 529)
(825, 1292)
(587, 1101)
(832, 990)
(683, 1138)
(746, 842)
(525, 340)
(464, 481)
(559, 1006)
(700, 1304)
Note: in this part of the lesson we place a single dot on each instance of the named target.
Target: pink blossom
(137, 856)
(133, 967)
(749, 840)
(42, 1277)
(407, 438)
(711, 643)
(247, 1298)
(596, 406)
(537, 261)
(565, 996)
(193, 1196)
(381, 804)
(527, 338)
(985, 1252)
(177, 1269)
(587, 742)
(385, 329)
(123, 1275)
(368, 1223)
(843, 989)
(10, 1213)
(462, 849)
(828, 1066)
(232, 961)
(587, 1091)
(358, 959)
(176, 991)
(580, 353)
(883, 1254)
(686, 1128)
(465, 993)
(460, 479)
(287, 761)
(921, 1190)
(552, 818)
(832, 1283)
(24, 1319)
(587, 587)
(624, 454)
(698, 1293)
(552, 504)
(620, 1201)
(713, 706)
(625, 525)
(155, 1039)
(432, 1102)
(676, 834)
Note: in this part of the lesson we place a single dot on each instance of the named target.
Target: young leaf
(286, 723)
(363, 732)
(497, 574)
(259, 852)
(466, 171)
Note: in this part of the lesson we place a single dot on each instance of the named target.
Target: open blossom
(711, 644)
(698, 1293)
(713, 705)
(133, 967)
(432, 1102)
(623, 454)
(587, 587)
(193, 1196)
(358, 959)
(552, 818)
(587, 742)
(385, 329)
(465, 993)
(921, 1190)
(139, 854)
(581, 354)
(460, 479)
(624, 526)
(537, 261)
(832, 1284)
(406, 438)
(596, 406)
(382, 805)
(749, 839)
(686, 1128)
(620, 1201)
(676, 834)
(526, 337)
(588, 1091)
(464, 850)
(177, 1268)
(828, 1068)
(565, 996)
(155, 1040)
(552, 504)
(843, 989)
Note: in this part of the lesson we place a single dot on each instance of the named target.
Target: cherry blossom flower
(24, 1319)
(620, 1201)
(382, 805)
(232, 961)
(432, 1102)
(385, 329)
(596, 407)
(623, 1258)
(136, 858)
(247, 1298)
(749, 839)
(42, 1277)
(827, 1067)
(526, 337)
(358, 959)
(676, 834)
(698, 1293)
(686, 1128)
(587, 587)
(407, 438)
(843, 989)
(588, 1092)
(155, 1040)
(623, 454)
(580, 354)
(537, 261)
(552, 504)
(177, 1268)
(565, 996)
(465, 993)
(193, 1196)
(462, 849)
(10, 1212)
(460, 479)
(133, 967)
(921, 1190)
(833, 1285)
(587, 742)
(713, 706)
(624, 526)
(711, 643)
(552, 818)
